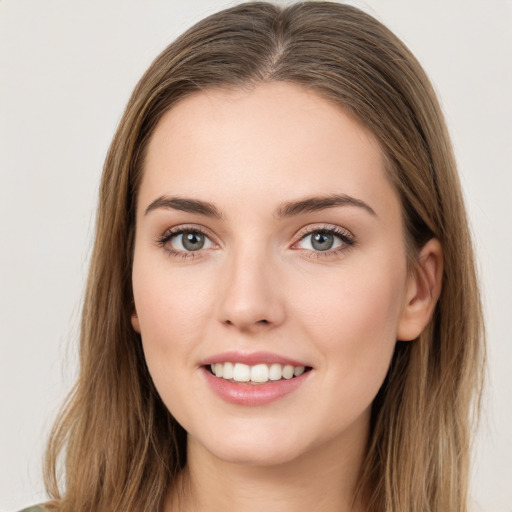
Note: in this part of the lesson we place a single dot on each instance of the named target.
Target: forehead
(274, 139)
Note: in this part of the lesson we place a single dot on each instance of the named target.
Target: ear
(422, 291)
(135, 319)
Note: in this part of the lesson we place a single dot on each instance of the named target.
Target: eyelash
(347, 239)
(171, 233)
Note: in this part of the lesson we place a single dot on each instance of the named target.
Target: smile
(256, 374)
(254, 379)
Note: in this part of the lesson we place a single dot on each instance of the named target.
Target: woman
(282, 309)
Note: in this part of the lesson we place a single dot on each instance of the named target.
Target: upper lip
(251, 359)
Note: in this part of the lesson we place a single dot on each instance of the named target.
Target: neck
(324, 479)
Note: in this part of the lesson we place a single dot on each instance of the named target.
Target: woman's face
(269, 242)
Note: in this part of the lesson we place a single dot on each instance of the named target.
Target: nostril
(241, 325)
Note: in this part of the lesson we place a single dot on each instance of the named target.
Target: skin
(259, 285)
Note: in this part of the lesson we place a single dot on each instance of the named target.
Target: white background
(67, 68)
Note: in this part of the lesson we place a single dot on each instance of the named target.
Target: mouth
(257, 374)
(256, 378)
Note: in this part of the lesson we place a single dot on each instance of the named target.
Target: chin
(251, 448)
(257, 455)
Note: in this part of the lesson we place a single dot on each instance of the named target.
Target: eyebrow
(185, 205)
(287, 209)
(314, 204)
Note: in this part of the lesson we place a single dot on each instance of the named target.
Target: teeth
(218, 369)
(298, 370)
(228, 371)
(242, 373)
(288, 372)
(258, 374)
(276, 372)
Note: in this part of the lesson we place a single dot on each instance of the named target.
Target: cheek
(353, 316)
(171, 310)
(167, 296)
(171, 313)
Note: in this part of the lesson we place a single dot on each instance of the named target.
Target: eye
(190, 241)
(325, 240)
(184, 241)
(320, 241)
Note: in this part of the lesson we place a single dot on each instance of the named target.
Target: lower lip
(242, 393)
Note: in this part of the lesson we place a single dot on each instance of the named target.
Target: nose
(252, 296)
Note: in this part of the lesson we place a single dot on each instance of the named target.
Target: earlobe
(423, 290)
(135, 320)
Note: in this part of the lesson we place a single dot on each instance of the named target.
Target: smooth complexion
(268, 230)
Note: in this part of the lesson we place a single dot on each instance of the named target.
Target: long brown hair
(121, 448)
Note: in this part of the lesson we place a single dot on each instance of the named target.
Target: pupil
(193, 241)
(322, 241)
